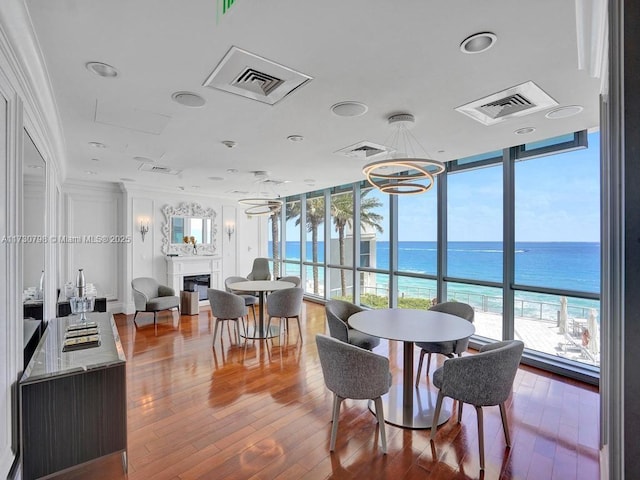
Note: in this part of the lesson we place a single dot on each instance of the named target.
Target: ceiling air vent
(363, 150)
(251, 76)
(516, 101)
(257, 82)
(149, 167)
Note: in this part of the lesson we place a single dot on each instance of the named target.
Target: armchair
(353, 372)
(150, 296)
(481, 380)
(448, 349)
(338, 312)
(260, 270)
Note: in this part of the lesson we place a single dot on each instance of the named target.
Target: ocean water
(560, 265)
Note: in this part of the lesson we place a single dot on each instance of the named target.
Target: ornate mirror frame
(192, 209)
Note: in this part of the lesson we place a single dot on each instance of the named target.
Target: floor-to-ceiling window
(417, 249)
(291, 250)
(341, 280)
(557, 250)
(514, 233)
(374, 247)
(314, 263)
(474, 257)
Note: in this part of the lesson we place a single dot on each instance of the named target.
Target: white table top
(412, 325)
(261, 285)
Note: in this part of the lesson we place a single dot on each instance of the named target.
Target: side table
(189, 303)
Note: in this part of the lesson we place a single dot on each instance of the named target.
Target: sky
(557, 199)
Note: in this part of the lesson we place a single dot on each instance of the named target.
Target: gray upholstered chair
(292, 279)
(353, 372)
(150, 296)
(285, 304)
(448, 349)
(225, 307)
(260, 270)
(249, 300)
(338, 312)
(481, 380)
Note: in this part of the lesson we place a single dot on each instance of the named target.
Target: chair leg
(299, 326)
(334, 428)
(460, 405)
(215, 331)
(422, 352)
(436, 415)
(134, 318)
(428, 363)
(505, 425)
(268, 327)
(154, 317)
(380, 416)
(480, 436)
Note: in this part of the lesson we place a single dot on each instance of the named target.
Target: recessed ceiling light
(97, 145)
(478, 43)
(188, 99)
(95, 159)
(349, 109)
(144, 159)
(309, 181)
(125, 179)
(102, 69)
(524, 130)
(90, 172)
(441, 151)
(216, 179)
(229, 143)
(195, 186)
(232, 170)
(295, 138)
(563, 112)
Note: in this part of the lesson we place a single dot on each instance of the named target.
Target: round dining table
(262, 287)
(407, 405)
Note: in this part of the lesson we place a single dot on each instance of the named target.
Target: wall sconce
(230, 229)
(144, 227)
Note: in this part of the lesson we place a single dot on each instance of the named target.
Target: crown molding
(21, 61)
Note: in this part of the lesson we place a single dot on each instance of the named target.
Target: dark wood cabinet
(73, 404)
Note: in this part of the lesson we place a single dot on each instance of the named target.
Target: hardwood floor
(261, 411)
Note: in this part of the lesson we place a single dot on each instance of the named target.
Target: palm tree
(315, 218)
(274, 217)
(342, 214)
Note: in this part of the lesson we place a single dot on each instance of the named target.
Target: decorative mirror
(34, 198)
(189, 229)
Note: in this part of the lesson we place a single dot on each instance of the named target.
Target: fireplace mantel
(181, 266)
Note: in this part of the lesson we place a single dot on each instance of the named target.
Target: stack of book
(81, 335)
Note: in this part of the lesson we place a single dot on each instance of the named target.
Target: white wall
(146, 258)
(93, 238)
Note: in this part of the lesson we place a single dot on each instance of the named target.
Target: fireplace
(197, 283)
(179, 268)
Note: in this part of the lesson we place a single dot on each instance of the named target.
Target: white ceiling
(393, 56)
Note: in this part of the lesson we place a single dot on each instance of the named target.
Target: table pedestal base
(257, 334)
(418, 414)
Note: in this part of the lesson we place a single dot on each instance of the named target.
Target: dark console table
(73, 404)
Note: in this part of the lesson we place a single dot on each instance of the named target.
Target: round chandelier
(405, 172)
(261, 203)
(261, 206)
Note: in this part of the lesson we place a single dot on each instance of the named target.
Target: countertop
(49, 360)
